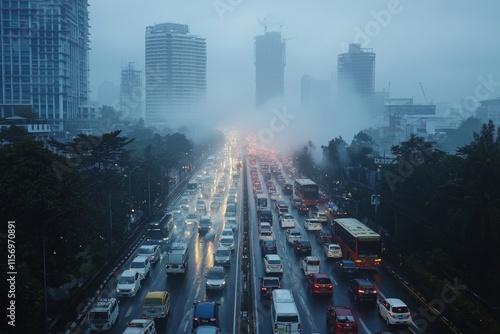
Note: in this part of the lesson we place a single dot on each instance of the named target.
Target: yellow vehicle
(156, 305)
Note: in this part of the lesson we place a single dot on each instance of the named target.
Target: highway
(188, 288)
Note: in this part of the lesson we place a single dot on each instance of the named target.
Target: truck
(177, 258)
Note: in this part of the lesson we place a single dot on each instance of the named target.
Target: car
(280, 203)
(156, 305)
(310, 265)
(184, 204)
(151, 251)
(287, 221)
(320, 284)
(362, 289)
(218, 197)
(303, 209)
(142, 265)
(293, 234)
(207, 330)
(128, 284)
(266, 215)
(231, 223)
(191, 218)
(275, 196)
(302, 247)
(332, 251)
(346, 268)
(265, 226)
(215, 205)
(282, 211)
(222, 256)
(227, 232)
(320, 216)
(227, 241)
(216, 278)
(273, 264)
(394, 311)
(324, 237)
(267, 285)
(205, 313)
(268, 247)
(265, 235)
(103, 314)
(140, 326)
(312, 224)
(201, 207)
(295, 202)
(340, 319)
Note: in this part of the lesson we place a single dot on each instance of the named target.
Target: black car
(324, 237)
(266, 215)
(346, 268)
(363, 289)
(302, 247)
(268, 284)
(303, 209)
(268, 247)
(205, 313)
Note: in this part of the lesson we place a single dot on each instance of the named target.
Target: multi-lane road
(188, 288)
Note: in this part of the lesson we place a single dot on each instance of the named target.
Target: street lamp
(130, 198)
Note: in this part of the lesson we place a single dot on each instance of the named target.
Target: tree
(361, 150)
(14, 134)
(304, 161)
(335, 157)
(27, 112)
(462, 135)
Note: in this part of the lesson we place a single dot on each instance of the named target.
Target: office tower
(44, 61)
(356, 77)
(176, 71)
(270, 56)
(131, 92)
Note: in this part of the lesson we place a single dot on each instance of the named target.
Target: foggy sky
(447, 45)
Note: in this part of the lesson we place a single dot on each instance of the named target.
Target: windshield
(153, 302)
(215, 274)
(126, 280)
(137, 265)
(287, 318)
(323, 280)
(369, 248)
(98, 316)
(222, 252)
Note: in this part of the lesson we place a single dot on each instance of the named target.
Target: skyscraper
(356, 76)
(44, 61)
(131, 92)
(176, 71)
(270, 58)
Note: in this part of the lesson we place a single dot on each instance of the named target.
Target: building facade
(489, 110)
(270, 61)
(131, 92)
(175, 73)
(356, 77)
(44, 61)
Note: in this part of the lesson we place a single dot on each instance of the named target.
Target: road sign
(375, 199)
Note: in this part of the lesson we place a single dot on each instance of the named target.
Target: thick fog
(449, 46)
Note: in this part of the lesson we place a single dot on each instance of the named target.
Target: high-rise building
(270, 58)
(44, 61)
(356, 77)
(131, 92)
(176, 71)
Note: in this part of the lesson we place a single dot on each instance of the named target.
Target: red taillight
(263, 289)
(167, 266)
(316, 286)
(391, 314)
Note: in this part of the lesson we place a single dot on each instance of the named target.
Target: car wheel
(387, 321)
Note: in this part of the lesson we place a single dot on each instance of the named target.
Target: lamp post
(130, 198)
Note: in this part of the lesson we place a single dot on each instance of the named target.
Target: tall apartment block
(131, 96)
(356, 76)
(175, 73)
(44, 61)
(270, 59)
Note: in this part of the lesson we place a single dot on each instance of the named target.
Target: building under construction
(131, 95)
(356, 75)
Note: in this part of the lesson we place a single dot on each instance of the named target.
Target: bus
(307, 190)
(358, 242)
(161, 230)
(261, 202)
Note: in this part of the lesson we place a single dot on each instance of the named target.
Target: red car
(339, 319)
(320, 284)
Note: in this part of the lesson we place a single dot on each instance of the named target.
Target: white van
(284, 314)
(177, 258)
(104, 314)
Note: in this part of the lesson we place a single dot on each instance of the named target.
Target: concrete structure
(39, 129)
(396, 108)
(489, 110)
(175, 73)
(131, 100)
(269, 59)
(356, 77)
(44, 60)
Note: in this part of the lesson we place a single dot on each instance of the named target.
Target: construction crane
(423, 93)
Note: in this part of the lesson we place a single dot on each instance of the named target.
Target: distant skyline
(449, 46)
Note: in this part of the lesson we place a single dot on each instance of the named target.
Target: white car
(215, 205)
(141, 326)
(312, 224)
(142, 265)
(152, 251)
(266, 235)
(287, 221)
(320, 216)
(275, 196)
(227, 232)
(227, 241)
(273, 264)
(332, 251)
(265, 226)
(310, 265)
(216, 278)
(231, 223)
(394, 311)
(293, 234)
(128, 284)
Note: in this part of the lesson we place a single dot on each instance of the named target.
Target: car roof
(320, 275)
(148, 246)
(221, 247)
(363, 281)
(311, 258)
(140, 258)
(204, 309)
(273, 257)
(395, 302)
(302, 241)
(217, 269)
(128, 273)
(156, 294)
(207, 330)
(343, 310)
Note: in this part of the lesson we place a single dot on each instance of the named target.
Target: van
(284, 314)
(177, 258)
(156, 305)
(103, 314)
